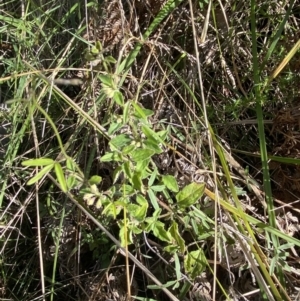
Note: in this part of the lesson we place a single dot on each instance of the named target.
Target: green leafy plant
(212, 86)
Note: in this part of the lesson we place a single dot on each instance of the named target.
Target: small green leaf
(136, 229)
(137, 182)
(158, 188)
(98, 45)
(94, 50)
(108, 157)
(141, 211)
(120, 141)
(139, 111)
(60, 177)
(127, 190)
(177, 237)
(189, 195)
(110, 59)
(126, 109)
(113, 127)
(72, 182)
(151, 143)
(106, 80)
(141, 166)
(40, 174)
(38, 162)
(163, 134)
(160, 232)
(111, 157)
(153, 199)
(141, 200)
(128, 149)
(125, 235)
(131, 208)
(152, 220)
(153, 176)
(89, 56)
(171, 249)
(195, 263)
(95, 180)
(142, 154)
(127, 169)
(177, 267)
(149, 133)
(148, 112)
(170, 183)
(70, 164)
(109, 91)
(112, 209)
(118, 98)
(117, 174)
